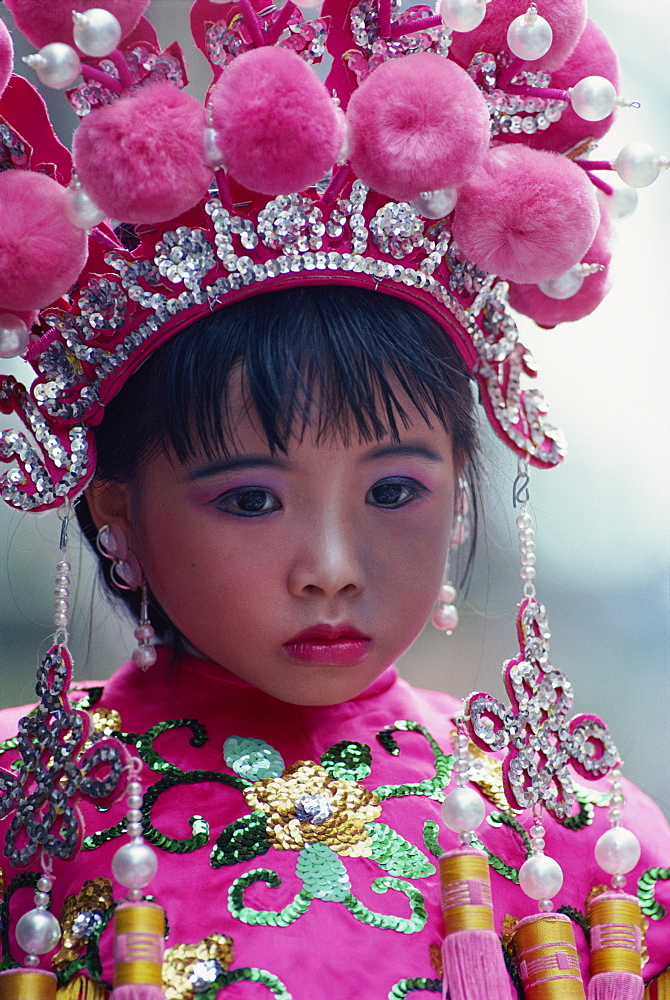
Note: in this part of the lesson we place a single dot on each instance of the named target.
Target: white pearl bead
(81, 210)
(618, 881)
(63, 566)
(463, 810)
(44, 883)
(529, 36)
(617, 851)
(345, 148)
(213, 154)
(14, 336)
(57, 65)
(38, 932)
(31, 961)
(540, 877)
(436, 204)
(144, 657)
(593, 98)
(134, 788)
(545, 905)
(41, 899)
(134, 829)
(96, 32)
(61, 619)
(134, 865)
(462, 15)
(447, 593)
(638, 164)
(564, 287)
(445, 617)
(134, 801)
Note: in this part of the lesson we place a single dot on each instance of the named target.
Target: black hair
(328, 357)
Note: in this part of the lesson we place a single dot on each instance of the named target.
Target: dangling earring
(461, 531)
(126, 574)
(445, 615)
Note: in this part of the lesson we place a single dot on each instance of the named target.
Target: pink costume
(287, 828)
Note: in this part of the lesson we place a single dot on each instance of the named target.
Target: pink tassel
(471, 952)
(139, 930)
(616, 986)
(616, 939)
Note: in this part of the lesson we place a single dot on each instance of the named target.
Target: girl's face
(306, 574)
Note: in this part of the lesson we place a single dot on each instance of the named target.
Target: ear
(110, 503)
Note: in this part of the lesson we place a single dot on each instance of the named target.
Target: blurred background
(601, 519)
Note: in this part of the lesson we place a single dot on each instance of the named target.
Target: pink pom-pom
(528, 215)
(277, 128)
(6, 56)
(566, 17)
(41, 253)
(547, 312)
(142, 159)
(417, 124)
(44, 21)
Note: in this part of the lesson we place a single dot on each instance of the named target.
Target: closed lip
(333, 645)
(328, 633)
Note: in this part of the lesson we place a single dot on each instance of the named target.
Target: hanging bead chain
(463, 809)
(62, 587)
(135, 864)
(618, 850)
(144, 655)
(524, 522)
(38, 931)
(540, 877)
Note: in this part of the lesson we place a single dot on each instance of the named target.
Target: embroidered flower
(190, 969)
(306, 805)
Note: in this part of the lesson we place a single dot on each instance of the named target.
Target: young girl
(278, 487)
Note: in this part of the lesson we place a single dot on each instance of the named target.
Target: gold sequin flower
(189, 969)
(81, 916)
(304, 805)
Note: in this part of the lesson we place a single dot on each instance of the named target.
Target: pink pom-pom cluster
(6, 56)
(566, 17)
(45, 21)
(548, 312)
(142, 158)
(527, 215)
(417, 124)
(41, 252)
(277, 128)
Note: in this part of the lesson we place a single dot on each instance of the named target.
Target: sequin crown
(440, 163)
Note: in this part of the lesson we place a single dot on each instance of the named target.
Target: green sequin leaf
(348, 760)
(323, 873)
(396, 855)
(419, 984)
(267, 918)
(244, 839)
(252, 759)
(646, 887)
(430, 787)
(431, 843)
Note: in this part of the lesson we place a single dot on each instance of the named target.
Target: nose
(327, 562)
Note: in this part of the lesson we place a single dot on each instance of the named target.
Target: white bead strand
(38, 931)
(463, 809)
(540, 877)
(618, 850)
(135, 864)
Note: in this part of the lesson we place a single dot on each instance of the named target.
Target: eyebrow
(407, 450)
(218, 466)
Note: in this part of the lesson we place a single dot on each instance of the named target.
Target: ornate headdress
(444, 161)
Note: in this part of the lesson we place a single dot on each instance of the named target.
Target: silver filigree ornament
(54, 773)
(541, 742)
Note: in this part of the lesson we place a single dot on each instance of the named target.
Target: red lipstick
(342, 645)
